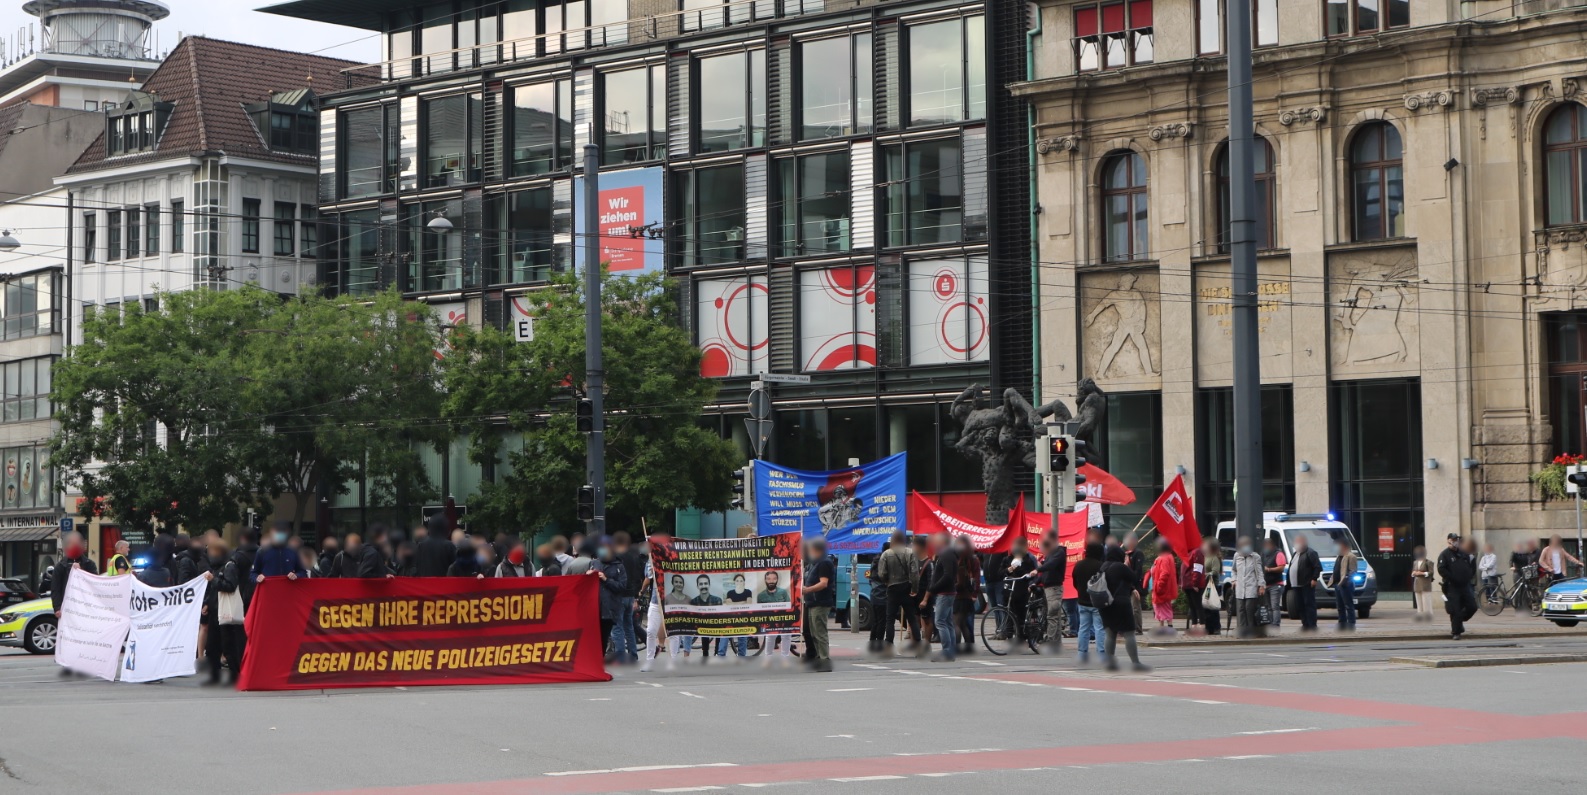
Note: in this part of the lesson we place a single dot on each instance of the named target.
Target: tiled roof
(209, 82)
(10, 118)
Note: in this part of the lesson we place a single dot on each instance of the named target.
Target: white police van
(1323, 534)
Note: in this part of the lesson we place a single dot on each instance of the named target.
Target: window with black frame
(542, 127)
(1566, 346)
(947, 71)
(711, 216)
(730, 90)
(178, 227)
(369, 150)
(283, 229)
(814, 204)
(151, 230)
(113, 236)
(1377, 181)
(634, 115)
(91, 237)
(1124, 208)
(1215, 452)
(1361, 17)
(836, 95)
(923, 192)
(134, 226)
(453, 140)
(438, 261)
(524, 251)
(1564, 144)
(31, 307)
(250, 226)
(1377, 470)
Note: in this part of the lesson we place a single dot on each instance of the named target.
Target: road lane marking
(866, 778)
(1281, 731)
(987, 662)
(840, 736)
(690, 695)
(640, 769)
(848, 689)
(687, 789)
(1205, 701)
(1251, 756)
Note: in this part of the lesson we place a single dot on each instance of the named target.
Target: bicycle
(1002, 629)
(1525, 594)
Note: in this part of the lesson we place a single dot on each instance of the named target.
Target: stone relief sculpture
(1002, 436)
(1131, 307)
(1372, 304)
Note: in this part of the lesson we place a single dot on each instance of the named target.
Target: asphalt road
(1209, 718)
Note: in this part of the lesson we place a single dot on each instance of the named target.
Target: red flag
(1176, 519)
(1104, 488)
(928, 518)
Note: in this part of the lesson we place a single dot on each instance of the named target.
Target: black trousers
(900, 602)
(1462, 605)
(224, 640)
(1193, 605)
(881, 609)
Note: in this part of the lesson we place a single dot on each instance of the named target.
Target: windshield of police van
(1322, 540)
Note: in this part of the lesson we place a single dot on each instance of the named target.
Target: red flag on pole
(929, 518)
(1104, 488)
(1176, 519)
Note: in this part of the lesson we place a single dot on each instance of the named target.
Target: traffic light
(586, 503)
(1077, 448)
(586, 416)
(1057, 454)
(1577, 479)
(744, 489)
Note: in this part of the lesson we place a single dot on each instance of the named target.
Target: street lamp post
(594, 366)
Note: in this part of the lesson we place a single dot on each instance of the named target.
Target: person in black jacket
(465, 561)
(1458, 570)
(157, 574)
(435, 553)
(942, 591)
(1136, 560)
(346, 565)
(330, 549)
(247, 550)
(1090, 619)
(920, 596)
(74, 555)
(372, 556)
(221, 640)
(1054, 565)
(1116, 618)
(1020, 563)
(1304, 570)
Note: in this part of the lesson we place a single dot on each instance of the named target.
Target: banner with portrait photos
(729, 587)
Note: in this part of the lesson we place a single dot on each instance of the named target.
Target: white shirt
(1488, 566)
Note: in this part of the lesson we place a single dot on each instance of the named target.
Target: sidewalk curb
(1336, 638)
(1479, 662)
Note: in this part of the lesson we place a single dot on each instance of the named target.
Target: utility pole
(594, 367)
(1242, 251)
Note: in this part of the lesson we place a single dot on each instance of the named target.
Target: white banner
(163, 642)
(95, 616)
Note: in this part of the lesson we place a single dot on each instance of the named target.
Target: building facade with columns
(1421, 254)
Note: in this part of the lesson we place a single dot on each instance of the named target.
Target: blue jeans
(1090, 628)
(1345, 597)
(942, 616)
(625, 645)
(740, 646)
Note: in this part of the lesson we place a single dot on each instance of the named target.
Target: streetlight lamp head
(7, 242)
(439, 225)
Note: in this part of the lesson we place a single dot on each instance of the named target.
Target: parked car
(1565, 602)
(30, 625)
(14, 590)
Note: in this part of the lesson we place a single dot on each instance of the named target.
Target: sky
(234, 20)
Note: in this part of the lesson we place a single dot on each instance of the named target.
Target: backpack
(1097, 589)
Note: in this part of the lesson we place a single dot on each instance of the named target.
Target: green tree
(658, 457)
(137, 374)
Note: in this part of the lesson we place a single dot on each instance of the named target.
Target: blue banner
(855, 510)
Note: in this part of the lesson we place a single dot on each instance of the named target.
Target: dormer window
(135, 125)
(288, 122)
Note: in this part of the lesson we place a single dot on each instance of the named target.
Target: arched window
(1266, 221)
(1124, 207)
(1564, 147)
(1377, 182)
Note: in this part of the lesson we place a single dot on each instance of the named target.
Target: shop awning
(30, 533)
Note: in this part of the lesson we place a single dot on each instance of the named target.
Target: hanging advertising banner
(95, 616)
(163, 641)
(630, 205)
(321, 633)
(730, 587)
(930, 518)
(521, 318)
(855, 510)
(1071, 536)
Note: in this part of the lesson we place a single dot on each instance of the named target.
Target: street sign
(781, 378)
(66, 525)
(759, 434)
(759, 404)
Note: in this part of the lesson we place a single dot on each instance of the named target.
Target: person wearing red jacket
(1165, 586)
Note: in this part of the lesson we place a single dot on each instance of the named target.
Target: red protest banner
(1071, 536)
(1102, 487)
(929, 518)
(314, 633)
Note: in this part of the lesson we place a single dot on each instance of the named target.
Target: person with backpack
(1113, 594)
(1165, 586)
(1090, 626)
(896, 571)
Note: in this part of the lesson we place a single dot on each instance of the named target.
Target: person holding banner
(221, 640)
(655, 625)
(74, 555)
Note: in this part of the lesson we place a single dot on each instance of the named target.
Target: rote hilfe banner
(95, 616)
(729, 587)
(1071, 534)
(322, 633)
(929, 518)
(163, 641)
(855, 510)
